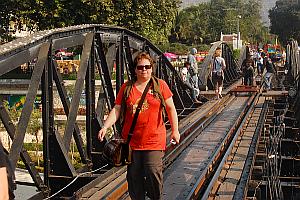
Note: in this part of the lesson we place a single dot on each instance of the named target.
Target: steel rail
(241, 190)
(229, 150)
(216, 158)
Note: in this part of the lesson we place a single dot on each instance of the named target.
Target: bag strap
(136, 114)
(214, 64)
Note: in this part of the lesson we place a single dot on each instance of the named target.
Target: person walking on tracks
(218, 65)
(248, 70)
(193, 66)
(270, 68)
(260, 61)
(189, 82)
(148, 142)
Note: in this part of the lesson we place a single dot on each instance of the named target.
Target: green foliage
(153, 19)
(7, 13)
(192, 25)
(205, 22)
(35, 123)
(32, 146)
(176, 48)
(179, 48)
(70, 76)
(285, 19)
(236, 54)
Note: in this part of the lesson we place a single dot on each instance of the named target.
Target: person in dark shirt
(248, 71)
(4, 195)
(271, 70)
(189, 82)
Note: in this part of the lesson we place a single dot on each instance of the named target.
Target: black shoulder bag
(117, 151)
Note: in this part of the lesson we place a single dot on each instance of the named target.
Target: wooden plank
(230, 181)
(181, 176)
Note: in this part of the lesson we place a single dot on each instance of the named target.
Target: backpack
(126, 92)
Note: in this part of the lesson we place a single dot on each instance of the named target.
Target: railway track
(207, 135)
(232, 175)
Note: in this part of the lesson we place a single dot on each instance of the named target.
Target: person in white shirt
(260, 61)
(217, 66)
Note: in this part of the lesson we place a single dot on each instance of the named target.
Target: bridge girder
(102, 48)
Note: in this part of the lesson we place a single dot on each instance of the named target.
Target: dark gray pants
(144, 174)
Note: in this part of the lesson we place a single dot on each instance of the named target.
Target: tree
(6, 15)
(153, 19)
(205, 22)
(34, 125)
(285, 20)
(191, 25)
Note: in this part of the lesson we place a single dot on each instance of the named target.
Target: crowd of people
(261, 62)
(189, 74)
(255, 64)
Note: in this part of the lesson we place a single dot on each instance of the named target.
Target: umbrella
(170, 55)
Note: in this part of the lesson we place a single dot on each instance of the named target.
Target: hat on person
(193, 51)
(260, 49)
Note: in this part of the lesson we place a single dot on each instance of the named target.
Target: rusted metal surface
(196, 160)
(244, 88)
(236, 168)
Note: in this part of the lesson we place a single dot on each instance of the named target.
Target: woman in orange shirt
(148, 142)
(4, 195)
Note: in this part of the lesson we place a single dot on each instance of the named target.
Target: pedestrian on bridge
(193, 66)
(248, 70)
(218, 66)
(189, 82)
(271, 70)
(148, 142)
(260, 62)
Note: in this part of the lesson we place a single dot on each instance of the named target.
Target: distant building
(232, 39)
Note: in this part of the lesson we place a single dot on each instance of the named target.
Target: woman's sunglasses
(141, 67)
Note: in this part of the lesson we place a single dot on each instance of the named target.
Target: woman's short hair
(142, 55)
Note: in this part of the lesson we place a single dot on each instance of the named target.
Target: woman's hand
(111, 119)
(175, 136)
(102, 133)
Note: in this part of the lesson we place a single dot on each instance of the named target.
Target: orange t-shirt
(150, 131)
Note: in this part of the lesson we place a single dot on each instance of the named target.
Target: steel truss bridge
(104, 48)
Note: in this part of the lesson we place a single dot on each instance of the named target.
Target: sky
(266, 5)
